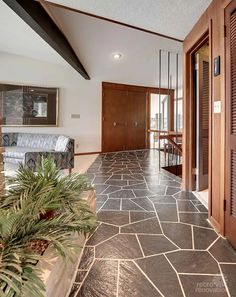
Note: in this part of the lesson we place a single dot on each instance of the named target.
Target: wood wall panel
(211, 21)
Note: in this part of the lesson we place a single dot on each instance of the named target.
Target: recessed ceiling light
(117, 56)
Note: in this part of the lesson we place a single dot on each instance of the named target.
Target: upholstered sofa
(29, 148)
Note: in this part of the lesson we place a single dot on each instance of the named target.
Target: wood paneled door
(230, 192)
(124, 119)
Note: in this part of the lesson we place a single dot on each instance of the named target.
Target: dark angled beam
(37, 18)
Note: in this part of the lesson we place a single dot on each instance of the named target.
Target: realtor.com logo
(214, 286)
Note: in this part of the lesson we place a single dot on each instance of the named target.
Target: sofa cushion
(19, 152)
(61, 144)
(39, 141)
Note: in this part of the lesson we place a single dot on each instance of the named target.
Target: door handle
(114, 124)
(136, 124)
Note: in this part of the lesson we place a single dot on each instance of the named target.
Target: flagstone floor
(153, 239)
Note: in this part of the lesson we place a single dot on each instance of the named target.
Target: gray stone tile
(87, 258)
(223, 251)
(180, 234)
(100, 179)
(122, 246)
(198, 219)
(127, 204)
(122, 194)
(143, 193)
(155, 244)
(80, 276)
(116, 177)
(145, 203)
(111, 189)
(74, 290)
(163, 199)
(157, 189)
(139, 186)
(101, 280)
(203, 237)
(149, 226)
(102, 233)
(170, 183)
(202, 208)
(203, 286)
(160, 272)
(101, 198)
(100, 188)
(119, 183)
(167, 212)
(132, 283)
(117, 218)
(198, 262)
(229, 273)
(186, 206)
(185, 196)
(140, 215)
(112, 204)
(172, 191)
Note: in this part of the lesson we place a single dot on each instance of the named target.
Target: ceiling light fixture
(117, 56)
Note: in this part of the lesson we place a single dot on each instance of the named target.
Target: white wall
(77, 95)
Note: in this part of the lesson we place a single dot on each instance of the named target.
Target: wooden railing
(171, 136)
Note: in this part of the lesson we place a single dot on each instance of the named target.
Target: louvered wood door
(202, 121)
(230, 214)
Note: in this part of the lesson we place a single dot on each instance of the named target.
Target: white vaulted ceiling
(169, 17)
(16, 37)
(95, 41)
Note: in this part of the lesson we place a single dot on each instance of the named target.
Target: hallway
(153, 239)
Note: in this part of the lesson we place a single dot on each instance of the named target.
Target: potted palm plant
(40, 210)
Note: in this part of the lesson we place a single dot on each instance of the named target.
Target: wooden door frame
(149, 91)
(189, 116)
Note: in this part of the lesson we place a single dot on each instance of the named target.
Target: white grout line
(202, 274)
(181, 286)
(148, 279)
(224, 281)
(106, 240)
(138, 205)
(213, 243)
(141, 248)
(143, 220)
(192, 233)
(118, 279)
(177, 208)
(171, 241)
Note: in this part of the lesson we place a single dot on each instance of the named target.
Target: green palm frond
(24, 221)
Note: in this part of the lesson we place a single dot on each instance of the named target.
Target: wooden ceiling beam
(38, 19)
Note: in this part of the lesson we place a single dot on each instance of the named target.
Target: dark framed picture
(28, 105)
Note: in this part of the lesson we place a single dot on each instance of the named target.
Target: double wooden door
(124, 125)
(230, 214)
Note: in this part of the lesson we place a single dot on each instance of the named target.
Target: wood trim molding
(111, 20)
(189, 113)
(87, 153)
(33, 13)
